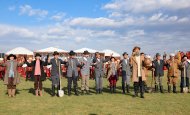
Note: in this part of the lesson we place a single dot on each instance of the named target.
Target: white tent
(50, 50)
(109, 52)
(83, 49)
(20, 51)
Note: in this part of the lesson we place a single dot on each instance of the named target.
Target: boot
(156, 88)
(9, 92)
(36, 92)
(181, 90)
(161, 89)
(135, 90)
(100, 91)
(142, 90)
(169, 89)
(13, 92)
(111, 89)
(174, 89)
(123, 88)
(76, 91)
(128, 89)
(114, 89)
(53, 90)
(97, 91)
(41, 93)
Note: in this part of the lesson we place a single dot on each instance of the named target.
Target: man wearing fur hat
(55, 71)
(173, 72)
(138, 74)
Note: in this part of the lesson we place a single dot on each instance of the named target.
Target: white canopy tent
(20, 51)
(51, 50)
(109, 52)
(84, 49)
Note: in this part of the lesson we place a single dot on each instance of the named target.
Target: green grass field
(25, 103)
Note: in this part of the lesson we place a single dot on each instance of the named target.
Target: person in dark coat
(72, 72)
(29, 69)
(126, 73)
(38, 73)
(158, 65)
(56, 71)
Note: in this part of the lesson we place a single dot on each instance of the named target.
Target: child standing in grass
(112, 74)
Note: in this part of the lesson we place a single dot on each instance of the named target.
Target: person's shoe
(123, 88)
(181, 90)
(100, 91)
(97, 91)
(53, 91)
(114, 89)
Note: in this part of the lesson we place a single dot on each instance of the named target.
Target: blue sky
(119, 25)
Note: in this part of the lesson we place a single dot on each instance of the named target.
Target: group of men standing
(134, 67)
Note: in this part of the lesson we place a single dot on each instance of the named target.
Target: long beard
(137, 54)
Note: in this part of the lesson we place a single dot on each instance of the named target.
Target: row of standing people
(134, 66)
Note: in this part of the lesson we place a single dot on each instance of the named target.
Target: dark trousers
(10, 84)
(184, 82)
(37, 82)
(138, 85)
(28, 75)
(70, 80)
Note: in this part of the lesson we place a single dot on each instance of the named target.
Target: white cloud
(59, 16)
(141, 6)
(28, 10)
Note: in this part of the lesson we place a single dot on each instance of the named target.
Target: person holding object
(55, 71)
(138, 74)
(126, 73)
(98, 63)
(11, 78)
(158, 66)
(38, 73)
(86, 62)
(173, 72)
(72, 72)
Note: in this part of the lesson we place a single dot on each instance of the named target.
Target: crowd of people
(133, 68)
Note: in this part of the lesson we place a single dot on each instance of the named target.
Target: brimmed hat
(158, 54)
(125, 53)
(112, 58)
(86, 52)
(55, 53)
(136, 47)
(37, 54)
(11, 55)
(71, 53)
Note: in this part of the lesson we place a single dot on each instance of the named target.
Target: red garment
(37, 68)
(113, 80)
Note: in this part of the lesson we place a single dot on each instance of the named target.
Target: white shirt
(138, 59)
